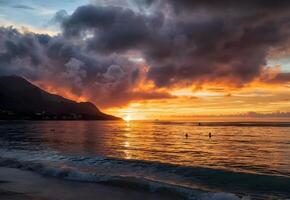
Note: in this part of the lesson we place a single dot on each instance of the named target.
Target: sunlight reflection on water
(257, 149)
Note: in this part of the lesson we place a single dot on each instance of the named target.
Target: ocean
(239, 161)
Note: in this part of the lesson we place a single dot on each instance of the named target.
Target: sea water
(239, 160)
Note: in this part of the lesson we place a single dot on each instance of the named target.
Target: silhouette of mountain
(20, 99)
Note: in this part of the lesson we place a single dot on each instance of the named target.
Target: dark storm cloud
(222, 4)
(18, 46)
(54, 61)
(182, 42)
(115, 29)
(280, 78)
(222, 41)
(189, 41)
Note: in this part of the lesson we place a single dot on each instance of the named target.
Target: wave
(74, 174)
(189, 182)
(208, 183)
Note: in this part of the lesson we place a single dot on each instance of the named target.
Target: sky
(146, 59)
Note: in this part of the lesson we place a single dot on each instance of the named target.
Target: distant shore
(17, 184)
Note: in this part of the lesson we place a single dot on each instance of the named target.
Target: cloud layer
(106, 53)
(189, 41)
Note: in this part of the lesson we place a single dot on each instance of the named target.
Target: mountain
(19, 99)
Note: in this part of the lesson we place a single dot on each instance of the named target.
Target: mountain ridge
(20, 99)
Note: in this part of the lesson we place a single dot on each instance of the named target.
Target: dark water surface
(249, 160)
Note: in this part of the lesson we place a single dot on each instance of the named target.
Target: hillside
(20, 99)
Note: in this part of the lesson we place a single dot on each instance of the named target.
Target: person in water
(209, 135)
(186, 135)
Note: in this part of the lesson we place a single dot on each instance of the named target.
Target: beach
(17, 184)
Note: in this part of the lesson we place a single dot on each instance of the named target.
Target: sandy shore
(16, 184)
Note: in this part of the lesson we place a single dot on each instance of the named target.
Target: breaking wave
(186, 182)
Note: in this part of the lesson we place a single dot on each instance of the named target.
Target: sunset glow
(161, 74)
(145, 99)
(187, 102)
(127, 118)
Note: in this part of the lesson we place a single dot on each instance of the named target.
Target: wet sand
(17, 184)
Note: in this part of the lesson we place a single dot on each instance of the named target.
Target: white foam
(75, 174)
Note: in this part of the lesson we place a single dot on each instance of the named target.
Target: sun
(127, 118)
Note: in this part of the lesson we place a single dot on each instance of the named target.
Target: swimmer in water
(186, 135)
(209, 135)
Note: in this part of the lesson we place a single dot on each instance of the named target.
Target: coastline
(16, 184)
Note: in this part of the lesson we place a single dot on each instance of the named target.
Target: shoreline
(16, 184)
